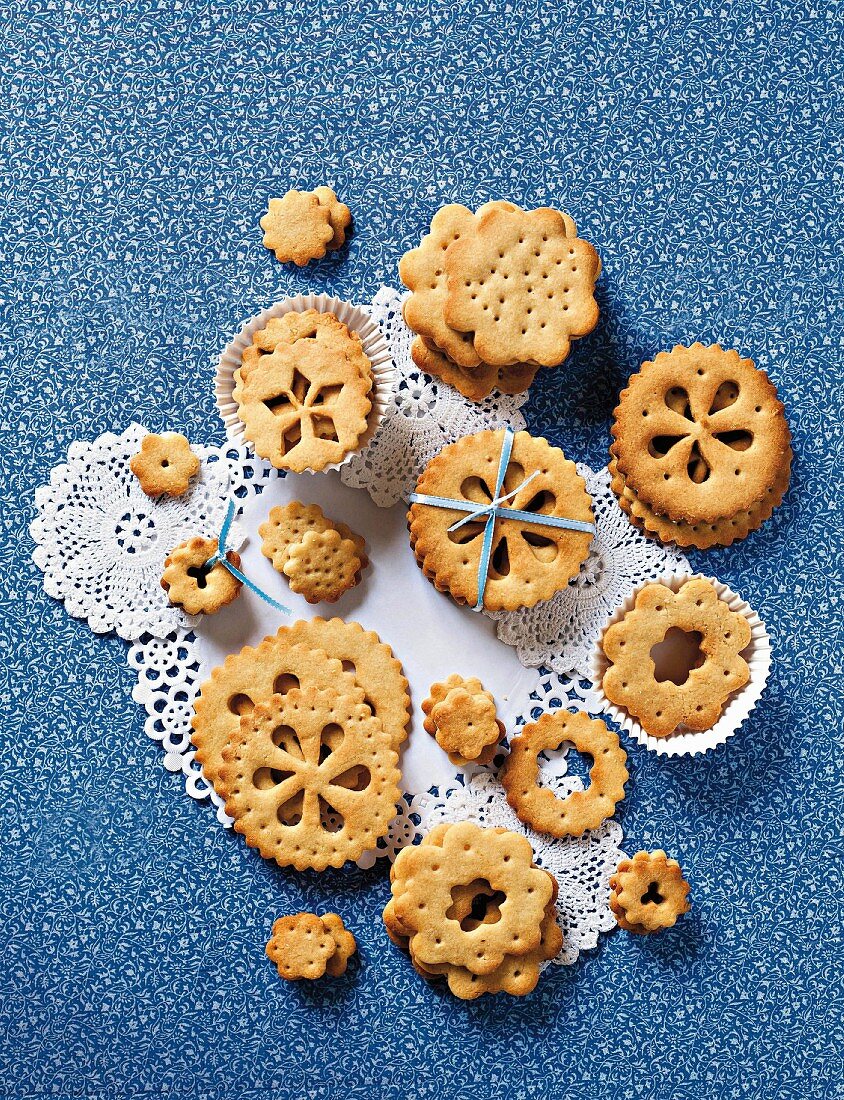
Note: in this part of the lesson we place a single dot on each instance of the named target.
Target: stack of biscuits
(497, 294)
(471, 907)
(701, 453)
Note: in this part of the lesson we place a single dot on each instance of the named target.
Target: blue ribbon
(494, 510)
(219, 558)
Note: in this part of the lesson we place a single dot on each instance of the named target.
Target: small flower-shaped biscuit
(345, 944)
(648, 892)
(164, 464)
(662, 705)
(297, 227)
(301, 947)
(192, 585)
(339, 216)
(322, 566)
(466, 723)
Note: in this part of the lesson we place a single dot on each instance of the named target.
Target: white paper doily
(101, 541)
(561, 633)
(424, 416)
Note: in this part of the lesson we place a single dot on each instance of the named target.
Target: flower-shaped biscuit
(663, 705)
(303, 946)
(322, 566)
(303, 225)
(190, 583)
(164, 464)
(648, 892)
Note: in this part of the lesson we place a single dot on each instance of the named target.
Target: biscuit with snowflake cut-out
(304, 406)
(476, 383)
(322, 566)
(194, 585)
(164, 464)
(700, 435)
(648, 892)
(523, 283)
(701, 626)
(539, 807)
(297, 227)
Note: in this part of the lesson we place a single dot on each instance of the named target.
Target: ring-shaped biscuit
(648, 892)
(581, 810)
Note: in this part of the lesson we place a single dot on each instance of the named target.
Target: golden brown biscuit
(648, 892)
(474, 384)
(288, 523)
(164, 464)
(339, 216)
(301, 947)
(297, 227)
(193, 585)
(322, 566)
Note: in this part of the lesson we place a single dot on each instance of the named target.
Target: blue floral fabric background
(695, 145)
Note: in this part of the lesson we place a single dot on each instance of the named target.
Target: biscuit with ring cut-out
(192, 585)
(661, 706)
(297, 227)
(581, 810)
(703, 536)
(303, 407)
(700, 434)
(425, 876)
(648, 892)
(322, 566)
(523, 282)
(303, 747)
(528, 562)
(477, 383)
(164, 464)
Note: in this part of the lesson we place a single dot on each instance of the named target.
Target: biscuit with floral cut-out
(297, 227)
(474, 384)
(538, 806)
(301, 946)
(164, 464)
(327, 755)
(527, 562)
(700, 434)
(523, 283)
(697, 702)
(193, 585)
(304, 407)
(322, 566)
(648, 892)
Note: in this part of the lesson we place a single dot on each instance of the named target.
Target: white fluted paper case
(356, 318)
(687, 742)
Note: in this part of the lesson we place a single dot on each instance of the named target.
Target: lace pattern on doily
(425, 414)
(561, 633)
(101, 541)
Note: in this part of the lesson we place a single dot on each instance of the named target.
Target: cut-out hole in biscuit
(677, 655)
(565, 759)
(543, 549)
(500, 564)
(677, 399)
(299, 386)
(284, 682)
(330, 740)
(660, 445)
(652, 896)
(264, 779)
(542, 502)
(349, 666)
(475, 903)
(697, 467)
(356, 778)
(284, 737)
(738, 440)
(325, 395)
(727, 394)
(279, 404)
(199, 573)
(466, 533)
(324, 428)
(330, 818)
(289, 813)
(241, 704)
(291, 438)
(475, 489)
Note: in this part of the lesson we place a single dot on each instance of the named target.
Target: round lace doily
(425, 415)
(101, 541)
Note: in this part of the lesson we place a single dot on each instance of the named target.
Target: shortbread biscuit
(703, 536)
(324, 329)
(297, 227)
(467, 727)
(301, 947)
(528, 562)
(345, 945)
(300, 748)
(322, 566)
(249, 678)
(193, 585)
(523, 282)
(661, 706)
(288, 523)
(425, 876)
(339, 216)
(304, 406)
(648, 892)
(538, 806)
(700, 435)
(474, 384)
(164, 464)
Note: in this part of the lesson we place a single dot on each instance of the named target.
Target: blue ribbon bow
(219, 558)
(494, 510)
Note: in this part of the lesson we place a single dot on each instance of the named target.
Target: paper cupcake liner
(687, 742)
(354, 317)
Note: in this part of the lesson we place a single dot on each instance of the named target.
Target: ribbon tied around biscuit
(219, 558)
(494, 509)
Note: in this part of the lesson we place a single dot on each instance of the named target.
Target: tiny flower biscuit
(192, 585)
(466, 724)
(339, 215)
(648, 892)
(581, 810)
(297, 227)
(662, 705)
(345, 945)
(301, 946)
(439, 691)
(322, 566)
(288, 523)
(164, 464)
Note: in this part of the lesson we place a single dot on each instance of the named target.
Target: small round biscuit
(194, 586)
(649, 892)
(164, 464)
